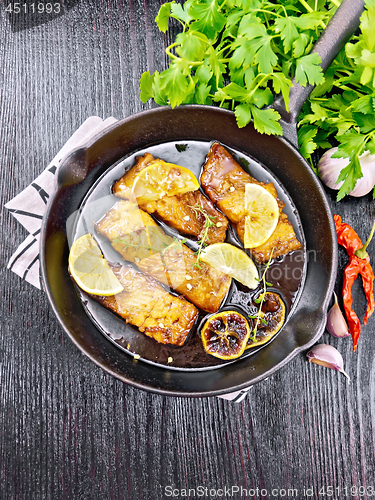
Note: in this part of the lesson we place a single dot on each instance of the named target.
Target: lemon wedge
(162, 179)
(90, 270)
(232, 261)
(262, 214)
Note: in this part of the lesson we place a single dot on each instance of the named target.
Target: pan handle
(338, 31)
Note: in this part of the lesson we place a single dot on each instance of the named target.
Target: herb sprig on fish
(260, 300)
(208, 222)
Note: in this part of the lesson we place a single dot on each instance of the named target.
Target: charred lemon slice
(162, 179)
(225, 335)
(269, 319)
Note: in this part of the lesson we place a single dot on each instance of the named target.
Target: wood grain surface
(70, 431)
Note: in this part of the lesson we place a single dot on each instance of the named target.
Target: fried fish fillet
(223, 180)
(145, 304)
(177, 211)
(136, 236)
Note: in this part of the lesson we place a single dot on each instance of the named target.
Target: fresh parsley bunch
(240, 54)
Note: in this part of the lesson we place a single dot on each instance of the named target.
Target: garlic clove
(336, 324)
(326, 355)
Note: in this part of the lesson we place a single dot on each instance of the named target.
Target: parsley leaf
(352, 144)
(308, 70)
(163, 16)
(175, 81)
(146, 86)
(243, 114)
(305, 140)
(159, 94)
(282, 84)
(191, 45)
(181, 12)
(300, 45)
(350, 174)
(265, 56)
(286, 26)
(209, 20)
(266, 121)
(202, 93)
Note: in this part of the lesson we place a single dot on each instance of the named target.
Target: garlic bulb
(329, 170)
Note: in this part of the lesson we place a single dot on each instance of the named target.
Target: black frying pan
(202, 123)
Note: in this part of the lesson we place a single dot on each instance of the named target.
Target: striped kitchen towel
(29, 206)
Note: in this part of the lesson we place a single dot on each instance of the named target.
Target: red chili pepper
(346, 236)
(368, 286)
(358, 264)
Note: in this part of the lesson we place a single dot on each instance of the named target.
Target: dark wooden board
(67, 429)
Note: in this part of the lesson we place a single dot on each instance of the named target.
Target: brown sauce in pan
(286, 274)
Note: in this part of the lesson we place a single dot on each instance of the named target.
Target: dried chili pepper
(359, 263)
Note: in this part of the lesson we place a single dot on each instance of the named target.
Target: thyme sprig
(208, 223)
(260, 300)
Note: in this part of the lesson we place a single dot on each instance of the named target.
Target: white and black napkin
(29, 206)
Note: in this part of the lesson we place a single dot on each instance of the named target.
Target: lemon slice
(90, 270)
(232, 261)
(162, 179)
(262, 214)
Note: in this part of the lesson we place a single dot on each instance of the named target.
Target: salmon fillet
(224, 181)
(145, 304)
(137, 237)
(177, 211)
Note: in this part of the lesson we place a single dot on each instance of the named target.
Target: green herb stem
(220, 7)
(257, 316)
(208, 223)
(271, 13)
(361, 252)
(306, 5)
(170, 54)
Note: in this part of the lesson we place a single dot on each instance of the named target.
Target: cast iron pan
(202, 123)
